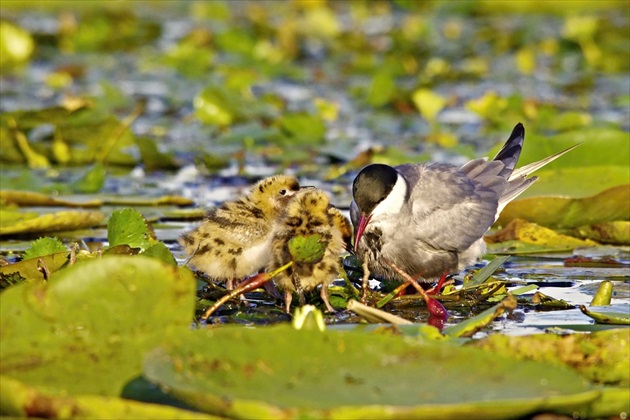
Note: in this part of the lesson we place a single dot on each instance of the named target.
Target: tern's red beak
(363, 222)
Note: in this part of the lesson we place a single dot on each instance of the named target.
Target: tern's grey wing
(450, 209)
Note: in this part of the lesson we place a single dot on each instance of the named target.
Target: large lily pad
(18, 399)
(86, 330)
(599, 163)
(563, 212)
(239, 373)
(603, 356)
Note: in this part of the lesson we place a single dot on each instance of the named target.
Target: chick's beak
(363, 222)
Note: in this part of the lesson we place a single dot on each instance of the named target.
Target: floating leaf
(382, 89)
(307, 249)
(428, 103)
(484, 274)
(63, 220)
(44, 246)
(30, 198)
(92, 180)
(610, 314)
(600, 356)
(21, 400)
(87, 329)
(128, 227)
(334, 374)
(29, 269)
(617, 232)
(303, 128)
(600, 162)
(213, 106)
(470, 326)
(562, 212)
(531, 233)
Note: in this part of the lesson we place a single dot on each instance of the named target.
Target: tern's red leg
(436, 290)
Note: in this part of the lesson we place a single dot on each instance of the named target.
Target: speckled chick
(307, 214)
(235, 238)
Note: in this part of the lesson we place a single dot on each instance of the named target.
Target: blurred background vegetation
(322, 87)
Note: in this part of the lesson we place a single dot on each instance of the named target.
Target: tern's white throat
(393, 203)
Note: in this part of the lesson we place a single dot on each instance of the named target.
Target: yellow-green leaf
(63, 220)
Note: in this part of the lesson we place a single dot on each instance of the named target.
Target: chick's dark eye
(283, 192)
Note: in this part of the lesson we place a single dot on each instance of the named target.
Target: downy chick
(234, 240)
(307, 214)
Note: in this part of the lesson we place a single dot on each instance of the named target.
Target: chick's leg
(365, 284)
(324, 294)
(288, 297)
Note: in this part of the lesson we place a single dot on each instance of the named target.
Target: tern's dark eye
(283, 192)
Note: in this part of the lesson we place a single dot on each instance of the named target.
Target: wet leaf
(44, 246)
(86, 330)
(128, 227)
(562, 212)
(617, 232)
(481, 276)
(337, 373)
(531, 233)
(55, 222)
(602, 357)
(21, 400)
(542, 301)
(470, 326)
(610, 314)
(28, 269)
(30, 198)
(307, 249)
(92, 180)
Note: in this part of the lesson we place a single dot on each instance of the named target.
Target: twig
(247, 286)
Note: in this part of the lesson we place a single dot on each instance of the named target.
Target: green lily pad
(18, 399)
(239, 372)
(599, 163)
(602, 356)
(87, 329)
(563, 212)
